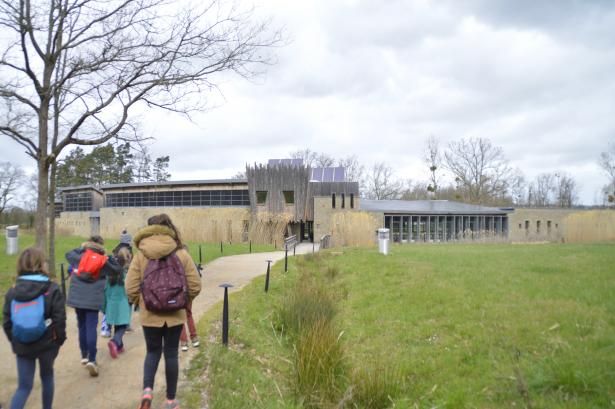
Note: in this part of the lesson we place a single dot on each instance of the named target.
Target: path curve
(119, 384)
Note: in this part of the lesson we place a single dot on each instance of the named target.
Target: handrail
(290, 241)
(325, 241)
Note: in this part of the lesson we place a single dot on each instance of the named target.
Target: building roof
(81, 187)
(429, 207)
(175, 183)
(285, 162)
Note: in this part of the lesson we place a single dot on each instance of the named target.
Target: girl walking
(116, 308)
(87, 293)
(161, 260)
(34, 320)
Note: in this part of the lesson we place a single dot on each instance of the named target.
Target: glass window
(261, 197)
(289, 196)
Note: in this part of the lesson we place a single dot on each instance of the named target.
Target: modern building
(285, 197)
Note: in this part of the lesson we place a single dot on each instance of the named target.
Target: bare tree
(381, 183)
(565, 190)
(10, 178)
(354, 169)
(313, 159)
(607, 163)
(542, 191)
(73, 71)
(518, 188)
(480, 169)
(433, 159)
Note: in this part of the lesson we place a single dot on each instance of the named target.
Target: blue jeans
(87, 321)
(25, 374)
(118, 334)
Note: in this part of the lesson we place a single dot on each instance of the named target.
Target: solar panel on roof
(317, 174)
(327, 175)
(339, 175)
(285, 162)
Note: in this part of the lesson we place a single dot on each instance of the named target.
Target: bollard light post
(286, 259)
(250, 246)
(225, 313)
(313, 247)
(199, 267)
(267, 278)
(221, 251)
(294, 248)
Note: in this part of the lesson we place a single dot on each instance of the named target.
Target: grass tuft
(375, 387)
(318, 364)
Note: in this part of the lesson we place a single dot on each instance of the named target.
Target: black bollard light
(267, 278)
(63, 278)
(250, 246)
(294, 249)
(221, 247)
(313, 247)
(286, 259)
(199, 267)
(225, 314)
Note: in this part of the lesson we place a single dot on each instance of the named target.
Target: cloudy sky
(376, 78)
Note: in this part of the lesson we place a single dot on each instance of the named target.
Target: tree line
(471, 170)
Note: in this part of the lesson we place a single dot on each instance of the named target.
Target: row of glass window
(179, 198)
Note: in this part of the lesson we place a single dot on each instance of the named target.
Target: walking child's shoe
(84, 361)
(146, 399)
(172, 404)
(113, 349)
(185, 347)
(92, 368)
(105, 334)
(195, 342)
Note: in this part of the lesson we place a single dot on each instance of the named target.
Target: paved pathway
(120, 382)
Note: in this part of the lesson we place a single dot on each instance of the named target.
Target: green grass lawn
(210, 251)
(462, 326)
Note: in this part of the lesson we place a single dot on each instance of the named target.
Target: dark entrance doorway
(307, 231)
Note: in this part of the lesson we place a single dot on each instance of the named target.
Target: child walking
(161, 255)
(116, 308)
(194, 338)
(34, 320)
(87, 294)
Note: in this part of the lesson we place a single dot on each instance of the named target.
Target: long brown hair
(32, 260)
(124, 256)
(163, 219)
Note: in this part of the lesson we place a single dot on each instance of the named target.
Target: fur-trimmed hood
(155, 241)
(93, 246)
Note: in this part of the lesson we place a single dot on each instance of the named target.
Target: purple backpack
(164, 285)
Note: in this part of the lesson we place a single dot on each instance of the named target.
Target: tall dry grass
(354, 229)
(267, 228)
(588, 226)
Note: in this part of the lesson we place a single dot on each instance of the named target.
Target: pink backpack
(164, 286)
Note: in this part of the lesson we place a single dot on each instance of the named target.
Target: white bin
(12, 240)
(383, 241)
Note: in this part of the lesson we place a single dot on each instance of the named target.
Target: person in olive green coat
(161, 329)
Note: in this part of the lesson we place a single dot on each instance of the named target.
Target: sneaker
(195, 342)
(185, 347)
(121, 350)
(146, 399)
(105, 334)
(92, 368)
(113, 349)
(172, 404)
(84, 361)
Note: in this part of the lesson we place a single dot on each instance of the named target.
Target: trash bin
(12, 240)
(383, 241)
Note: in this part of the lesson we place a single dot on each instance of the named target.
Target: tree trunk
(52, 219)
(43, 175)
(40, 222)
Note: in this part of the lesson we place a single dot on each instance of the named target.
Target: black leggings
(158, 340)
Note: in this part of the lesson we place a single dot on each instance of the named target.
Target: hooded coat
(156, 242)
(28, 287)
(86, 294)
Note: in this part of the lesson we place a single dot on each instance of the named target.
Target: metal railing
(325, 242)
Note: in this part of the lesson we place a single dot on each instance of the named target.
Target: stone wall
(74, 224)
(561, 225)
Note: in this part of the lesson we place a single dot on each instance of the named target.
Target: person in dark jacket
(87, 297)
(32, 282)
